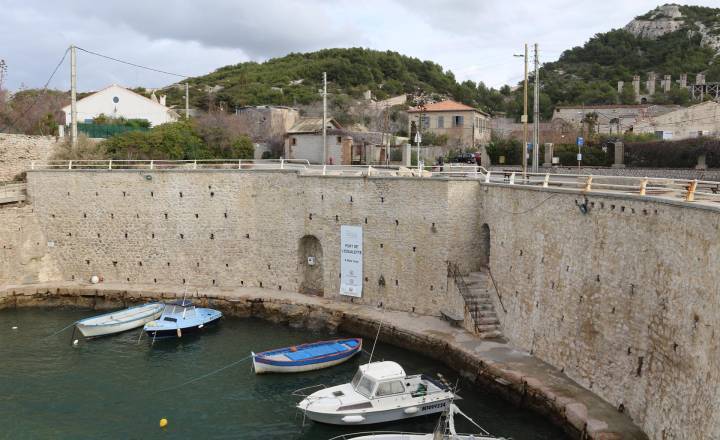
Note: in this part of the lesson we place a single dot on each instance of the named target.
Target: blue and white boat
(306, 357)
(181, 318)
(120, 320)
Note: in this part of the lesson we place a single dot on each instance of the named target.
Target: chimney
(683, 80)
(621, 85)
(651, 83)
(636, 87)
(667, 85)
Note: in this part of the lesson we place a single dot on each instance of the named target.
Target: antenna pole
(372, 352)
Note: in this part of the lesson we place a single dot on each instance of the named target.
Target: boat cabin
(381, 379)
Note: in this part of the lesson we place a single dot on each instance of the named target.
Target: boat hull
(373, 416)
(184, 331)
(261, 368)
(91, 331)
(264, 364)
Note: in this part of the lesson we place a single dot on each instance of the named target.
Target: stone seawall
(623, 299)
(18, 150)
(227, 228)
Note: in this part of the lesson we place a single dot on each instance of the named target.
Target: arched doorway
(484, 246)
(310, 264)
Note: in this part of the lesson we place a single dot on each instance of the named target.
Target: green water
(115, 388)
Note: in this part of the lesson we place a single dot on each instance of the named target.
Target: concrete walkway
(516, 374)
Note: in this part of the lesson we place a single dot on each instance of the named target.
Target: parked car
(469, 158)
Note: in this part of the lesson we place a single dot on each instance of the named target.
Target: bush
(85, 149)
(673, 154)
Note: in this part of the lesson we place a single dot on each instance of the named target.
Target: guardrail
(12, 192)
(684, 189)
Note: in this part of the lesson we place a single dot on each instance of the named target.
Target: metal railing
(454, 273)
(682, 189)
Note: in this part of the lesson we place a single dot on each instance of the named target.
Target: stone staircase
(480, 304)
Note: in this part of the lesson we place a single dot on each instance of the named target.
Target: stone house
(611, 119)
(267, 124)
(698, 120)
(465, 127)
(118, 102)
(304, 141)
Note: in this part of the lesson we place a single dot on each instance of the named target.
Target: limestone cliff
(670, 18)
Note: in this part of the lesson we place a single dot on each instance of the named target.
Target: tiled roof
(312, 125)
(443, 106)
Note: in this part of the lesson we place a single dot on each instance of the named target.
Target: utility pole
(536, 114)
(73, 95)
(187, 100)
(524, 118)
(324, 131)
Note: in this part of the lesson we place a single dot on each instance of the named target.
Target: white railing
(683, 189)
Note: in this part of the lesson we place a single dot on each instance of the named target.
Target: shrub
(673, 154)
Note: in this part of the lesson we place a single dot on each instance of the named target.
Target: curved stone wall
(623, 299)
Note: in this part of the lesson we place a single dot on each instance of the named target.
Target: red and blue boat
(306, 357)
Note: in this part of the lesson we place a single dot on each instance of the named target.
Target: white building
(691, 122)
(118, 102)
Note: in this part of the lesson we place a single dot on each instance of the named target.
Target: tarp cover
(314, 351)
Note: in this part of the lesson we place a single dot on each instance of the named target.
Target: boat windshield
(356, 378)
(362, 384)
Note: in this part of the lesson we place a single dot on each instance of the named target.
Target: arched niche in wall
(484, 246)
(310, 265)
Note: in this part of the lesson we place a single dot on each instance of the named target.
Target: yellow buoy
(163, 423)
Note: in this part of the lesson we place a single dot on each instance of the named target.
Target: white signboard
(351, 260)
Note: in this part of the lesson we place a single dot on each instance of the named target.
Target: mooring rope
(205, 375)
(59, 331)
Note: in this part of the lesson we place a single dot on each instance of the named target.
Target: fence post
(110, 164)
(69, 164)
(152, 164)
(588, 184)
(282, 163)
(546, 180)
(487, 177)
(690, 196)
(239, 164)
(195, 164)
(324, 169)
(643, 186)
(512, 178)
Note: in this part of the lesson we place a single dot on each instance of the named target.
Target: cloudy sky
(474, 38)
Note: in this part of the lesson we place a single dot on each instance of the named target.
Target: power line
(44, 89)
(131, 64)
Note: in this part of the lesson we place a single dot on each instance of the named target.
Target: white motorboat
(380, 392)
(120, 320)
(445, 430)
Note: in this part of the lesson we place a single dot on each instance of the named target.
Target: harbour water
(117, 388)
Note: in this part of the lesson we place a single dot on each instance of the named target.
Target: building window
(458, 121)
(425, 121)
(441, 121)
(293, 141)
(339, 139)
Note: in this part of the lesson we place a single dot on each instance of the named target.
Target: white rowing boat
(120, 320)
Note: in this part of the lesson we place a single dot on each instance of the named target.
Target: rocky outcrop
(669, 18)
(663, 20)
